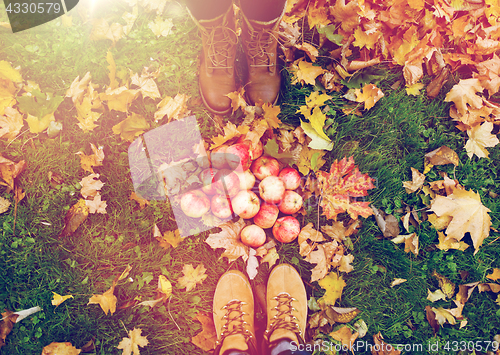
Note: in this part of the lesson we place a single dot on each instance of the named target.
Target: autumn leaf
(75, 216)
(414, 89)
(271, 115)
(96, 205)
(168, 239)
(309, 233)
(440, 156)
(333, 285)
(310, 159)
(77, 89)
(230, 131)
(447, 243)
(305, 72)
(119, 99)
(464, 95)
(107, 300)
(369, 95)
(397, 281)
(55, 348)
(468, 215)
(495, 275)
(4, 205)
(410, 241)
(345, 336)
(139, 199)
(314, 130)
(229, 239)
(443, 316)
(89, 161)
(58, 299)
(146, 84)
(102, 30)
(445, 284)
(90, 185)
(206, 339)
(238, 99)
(436, 295)
(416, 183)
(6, 324)
(11, 123)
(9, 171)
(382, 348)
(131, 127)
(130, 345)
(192, 276)
(174, 108)
(271, 257)
(161, 27)
(480, 137)
(340, 185)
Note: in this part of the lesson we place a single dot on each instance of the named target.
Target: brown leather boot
(234, 314)
(217, 76)
(260, 42)
(286, 307)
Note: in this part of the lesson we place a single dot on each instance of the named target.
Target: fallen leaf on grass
(310, 159)
(305, 73)
(174, 108)
(96, 205)
(229, 239)
(208, 336)
(369, 95)
(495, 275)
(443, 316)
(441, 156)
(342, 314)
(345, 336)
(89, 161)
(58, 299)
(445, 285)
(308, 233)
(139, 199)
(75, 216)
(468, 215)
(168, 239)
(164, 291)
(107, 300)
(480, 138)
(90, 185)
(146, 84)
(446, 243)
(464, 95)
(102, 30)
(382, 348)
(396, 282)
(11, 123)
(271, 257)
(238, 99)
(410, 240)
(436, 295)
(161, 27)
(192, 276)
(55, 348)
(9, 171)
(230, 131)
(78, 87)
(6, 325)
(131, 344)
(333, 285)
(388, 224)
(416, 183)
(4, 205)
(132, 126)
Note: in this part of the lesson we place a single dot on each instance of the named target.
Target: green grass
(386, 142)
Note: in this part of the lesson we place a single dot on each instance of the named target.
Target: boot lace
(220, 43)
(284, 319)
(235, 324)
(260, 46)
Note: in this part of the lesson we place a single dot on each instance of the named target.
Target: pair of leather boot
(217, 71)
(233, 310)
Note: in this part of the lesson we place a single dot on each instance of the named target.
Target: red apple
(247, 179)
(290, 177)
(266, 216)
(221, 206)
(255, 151)
(246, 204)
(272, 189)
(286, 229)
(218, 157)
(207, 178)
(291, 203)
(264, 167)
(195, 203)
(253, 236)
(226, 182)
(238, 157)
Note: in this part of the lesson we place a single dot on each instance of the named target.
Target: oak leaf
(333, 285)
(107, 300)
(468, 215)
(340, 185)
(58, 299)
(206, 339)
(480, 137)
(130, 345)
(55, 348)
(192, 276)
(229, 239)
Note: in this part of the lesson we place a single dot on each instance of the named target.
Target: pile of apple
(242, 181)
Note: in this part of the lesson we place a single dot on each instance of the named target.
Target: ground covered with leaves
(389, 110)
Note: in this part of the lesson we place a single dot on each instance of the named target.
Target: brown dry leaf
(468, 213)
(309, 233)
(4, 205)
(147, 85)
(11, 123)
(431, 318)
(416, 183)
(174, 108)
(480, 138)
(6, 325)
(238, 99)
(345, 263)
(445, 285)
(230, 131)
(369, 95)
(345, 336)
(192, 276)
(489, 287)
(75, 216)
(89, 161)
(130, 345)
(388, 224)
(271, 115)
(495, 275)
(341, 314)
(139, 199)
(443, 316)
(441, 156)
(465, 291)
(131, 127)
(9, 171)
(90, 185)
(229, 239)
(55, 348)
(107, 300)
(208, 336)
(286, 139)
(382, 348)
(337, 231)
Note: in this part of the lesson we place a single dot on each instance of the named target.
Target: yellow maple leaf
(146, 84)
(468, 215)
(10, 124)
(333, 285)
(38, 125)
(366, 39)
(78, 87)
(271, 115)
(90, 185)
(58, 299)
(316, 99)
(443, 316)
(96, 205)
(414, 89)
(369, 95)
(168, 239)
(310, 159)
(464, 95)
(317, 139)
(130, 345)
(480, 137)
(446, 243)
(238, 99)
(88, 161)
(131, 127)
(192, 276)
(161, 27)
(9, 73)
(55, 348)
(271, 257)
(119, 99)
(139, 199)
(174, 108)
(107, 300)
(102, 30)
(230, 131)
(305, 72)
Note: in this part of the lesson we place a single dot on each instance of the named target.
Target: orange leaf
(230, 131)
(369, 96)
(75, 216)
(305, 72)
(107, 300)
(60, 349)
(208, 336)
(495, 275)
(271, 115)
